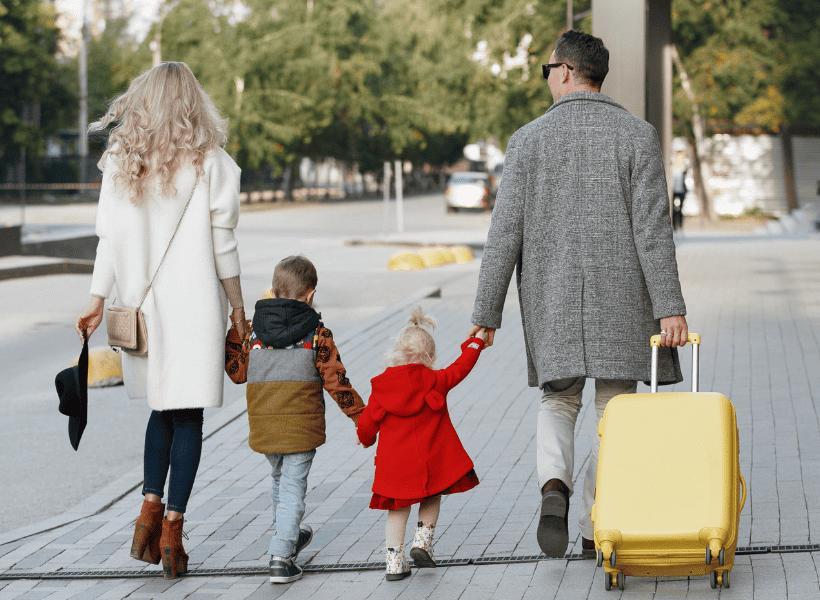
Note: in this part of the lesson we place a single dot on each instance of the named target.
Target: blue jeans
(288, 490)
(173, 440)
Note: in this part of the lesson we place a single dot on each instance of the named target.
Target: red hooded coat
(419, 453)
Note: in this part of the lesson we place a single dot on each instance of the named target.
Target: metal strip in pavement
(359, 566)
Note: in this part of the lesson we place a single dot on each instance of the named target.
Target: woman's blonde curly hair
(165, 120)
(414, 344)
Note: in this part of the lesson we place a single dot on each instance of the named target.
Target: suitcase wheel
(607, 581)
(721, 556)
(612, 559)
(621, 580)
(600, 559)
(726, 579)
(713, 579)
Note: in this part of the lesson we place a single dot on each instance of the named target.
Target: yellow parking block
(434, 257)
(104, 367)
(405, 261)
(447, 254)
(463, 254)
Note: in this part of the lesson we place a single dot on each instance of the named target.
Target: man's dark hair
(293, 277)
(586, 53)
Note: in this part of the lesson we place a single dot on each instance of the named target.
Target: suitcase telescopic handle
(655, 342)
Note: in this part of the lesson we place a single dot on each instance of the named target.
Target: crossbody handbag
(126, 324)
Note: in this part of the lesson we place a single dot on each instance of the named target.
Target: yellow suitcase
(669, 490)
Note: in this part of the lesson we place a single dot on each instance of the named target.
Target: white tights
(397, 520)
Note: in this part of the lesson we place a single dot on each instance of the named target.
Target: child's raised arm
(334, 377)
(456, 372)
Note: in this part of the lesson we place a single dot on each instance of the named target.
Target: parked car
(468, 190)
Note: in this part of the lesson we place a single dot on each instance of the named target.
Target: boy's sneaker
(305, 535)
(283, 570)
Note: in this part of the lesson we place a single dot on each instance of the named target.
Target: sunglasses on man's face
(545, 69)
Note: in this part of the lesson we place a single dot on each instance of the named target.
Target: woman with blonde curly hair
(168, 206)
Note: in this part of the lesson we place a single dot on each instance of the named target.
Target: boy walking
(292, 357)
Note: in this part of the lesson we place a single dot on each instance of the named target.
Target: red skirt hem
(467, 482)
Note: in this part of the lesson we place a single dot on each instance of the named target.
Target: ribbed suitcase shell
(669, 485)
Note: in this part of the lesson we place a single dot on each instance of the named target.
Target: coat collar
(588, 96)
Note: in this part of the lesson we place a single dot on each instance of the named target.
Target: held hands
(483, 333)
(676, 331)
(238, 318)
(91, 318)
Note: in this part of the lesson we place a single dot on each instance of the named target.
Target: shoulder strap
(145, 295)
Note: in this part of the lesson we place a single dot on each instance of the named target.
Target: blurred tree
(800, 55)
(507, 41)
(114, 59)
(29, 75)
(728, 75)
(730, 50)
(356, 80)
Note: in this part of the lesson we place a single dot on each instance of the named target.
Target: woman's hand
(238, 319)
(91, 318)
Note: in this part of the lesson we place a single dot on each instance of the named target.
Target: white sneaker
(422, 550)
(397, 567)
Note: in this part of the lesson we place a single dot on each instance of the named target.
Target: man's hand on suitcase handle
(674, 331)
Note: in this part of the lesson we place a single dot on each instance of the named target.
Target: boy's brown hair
(293, 277)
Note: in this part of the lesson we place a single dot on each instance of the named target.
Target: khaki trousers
(560, 405)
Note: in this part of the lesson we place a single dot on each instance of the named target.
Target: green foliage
(112, 63)
(800, 55)
(357, 80)
(502, 98)
(731, 53)
(29, 74)
(369, 80)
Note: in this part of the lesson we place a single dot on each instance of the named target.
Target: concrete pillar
(638, 34)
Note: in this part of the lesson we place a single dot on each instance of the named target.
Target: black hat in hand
(72, 388)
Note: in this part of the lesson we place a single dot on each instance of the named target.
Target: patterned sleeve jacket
(583, 214)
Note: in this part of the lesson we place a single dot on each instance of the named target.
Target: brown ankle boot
(147, 532)
(174, 559)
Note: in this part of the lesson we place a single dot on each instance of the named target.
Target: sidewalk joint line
(358, 566)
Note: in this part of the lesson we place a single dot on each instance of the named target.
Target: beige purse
(126, 324)
(126, 329)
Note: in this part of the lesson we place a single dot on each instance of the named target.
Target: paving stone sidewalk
(756, 303)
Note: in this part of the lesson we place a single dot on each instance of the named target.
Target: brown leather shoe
(553, 530)
(587, 548)
(147, 531)
(174, 559)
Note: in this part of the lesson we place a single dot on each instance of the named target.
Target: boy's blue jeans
(288, 489)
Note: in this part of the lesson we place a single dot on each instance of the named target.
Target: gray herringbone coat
(583, 212)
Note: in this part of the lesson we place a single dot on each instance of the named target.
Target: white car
(468, 190)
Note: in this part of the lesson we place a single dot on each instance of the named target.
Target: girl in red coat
(419, 456)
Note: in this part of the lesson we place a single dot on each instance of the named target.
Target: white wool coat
(186, 308)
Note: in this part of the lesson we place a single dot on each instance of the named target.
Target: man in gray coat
(583, 216)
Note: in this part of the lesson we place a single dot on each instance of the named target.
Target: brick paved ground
(756, 303)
